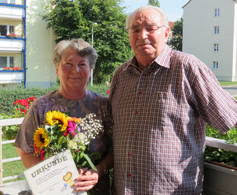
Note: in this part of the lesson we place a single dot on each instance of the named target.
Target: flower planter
(219, 179)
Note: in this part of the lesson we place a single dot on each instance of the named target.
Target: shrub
(220, 155)
(8, 96)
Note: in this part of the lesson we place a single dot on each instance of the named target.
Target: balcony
(11, 44)
(7, 77)
(220, 179)
(11, 12)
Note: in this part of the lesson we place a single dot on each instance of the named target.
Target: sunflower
(57, 118)
(41, 138)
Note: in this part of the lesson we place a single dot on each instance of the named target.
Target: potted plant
(220, 169)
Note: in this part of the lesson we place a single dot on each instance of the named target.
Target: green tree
(177, 35)
(76, 18)
(154, 3)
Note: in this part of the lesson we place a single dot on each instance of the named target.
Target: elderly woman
(74, 60)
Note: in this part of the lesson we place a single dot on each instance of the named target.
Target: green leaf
(89, 161)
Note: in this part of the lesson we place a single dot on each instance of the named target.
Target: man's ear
(167, 33)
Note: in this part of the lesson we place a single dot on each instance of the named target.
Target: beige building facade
(210, 33)
(26, 45)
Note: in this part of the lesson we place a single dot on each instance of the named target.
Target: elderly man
(161, 100)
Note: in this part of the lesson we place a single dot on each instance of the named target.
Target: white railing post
(7, 122)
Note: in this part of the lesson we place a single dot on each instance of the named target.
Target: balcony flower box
(12, 35)
(11, 68)
(220, 178)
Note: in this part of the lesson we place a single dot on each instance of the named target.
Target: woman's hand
(87, 180)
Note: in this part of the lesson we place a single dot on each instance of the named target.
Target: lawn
(225, 83)
(11, 168)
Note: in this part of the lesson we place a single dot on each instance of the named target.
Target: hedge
(8, 96)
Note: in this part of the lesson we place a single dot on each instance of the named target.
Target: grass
(225, 83)
(11, 168)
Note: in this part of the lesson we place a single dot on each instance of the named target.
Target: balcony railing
(7, 77)
(12, 44)
(209, 186)
(7, 122)
(11, 12)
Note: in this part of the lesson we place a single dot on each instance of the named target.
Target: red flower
(31, 99)
(42, 155)
(36, 149)
(108, 92)
(65, 133)
(23, 105)
(22, 110)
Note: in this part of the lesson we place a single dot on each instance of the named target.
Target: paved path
(231, 89)
(13, 188)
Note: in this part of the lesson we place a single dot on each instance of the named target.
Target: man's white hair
(161, 13)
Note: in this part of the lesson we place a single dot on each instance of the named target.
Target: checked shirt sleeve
(217, 106)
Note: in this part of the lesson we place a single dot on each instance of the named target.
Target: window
(216, 29)
(6, 29)
(217, 12)
(215, 64)
(6, 61)
(3, 30)
(216, 47)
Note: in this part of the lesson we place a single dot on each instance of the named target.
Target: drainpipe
(24, 39)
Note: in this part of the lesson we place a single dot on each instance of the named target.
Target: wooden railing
(7, 122)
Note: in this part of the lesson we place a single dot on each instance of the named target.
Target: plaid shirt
(159, 123)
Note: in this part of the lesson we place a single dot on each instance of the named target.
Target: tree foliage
(76, 18)
(177, 35)
(154, 3)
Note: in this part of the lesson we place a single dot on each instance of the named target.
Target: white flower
(72, 145)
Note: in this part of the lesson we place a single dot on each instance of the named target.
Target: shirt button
(129, 175)
(130, 154)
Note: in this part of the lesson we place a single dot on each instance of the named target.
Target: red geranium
(23, 105)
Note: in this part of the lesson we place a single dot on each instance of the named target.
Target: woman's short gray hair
(131, 16)
(83, 48)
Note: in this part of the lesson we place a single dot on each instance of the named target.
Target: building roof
(186, 3)
(190, 0)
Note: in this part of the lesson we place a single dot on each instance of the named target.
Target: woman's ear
(57, 69)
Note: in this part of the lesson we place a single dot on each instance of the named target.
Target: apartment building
(26, 45)
(210, 33)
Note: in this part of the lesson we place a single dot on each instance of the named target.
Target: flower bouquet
(61, 132)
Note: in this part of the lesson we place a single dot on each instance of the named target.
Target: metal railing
(213, 142)
(7, 122)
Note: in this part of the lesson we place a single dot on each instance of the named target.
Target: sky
(173, 8)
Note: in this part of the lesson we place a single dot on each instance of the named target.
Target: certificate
(54, 175)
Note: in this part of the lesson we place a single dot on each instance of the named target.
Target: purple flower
(71, 128)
